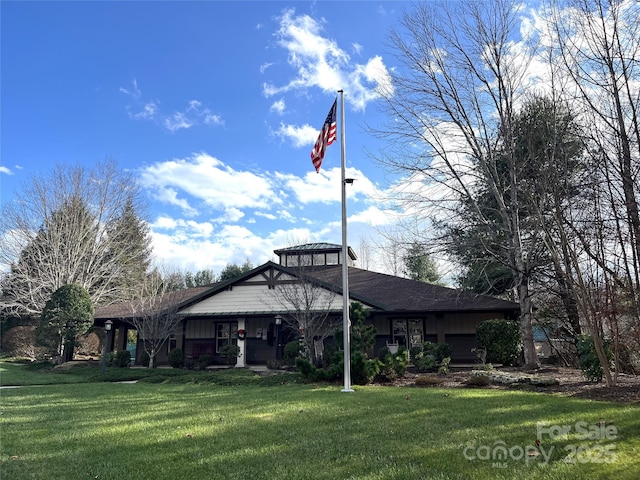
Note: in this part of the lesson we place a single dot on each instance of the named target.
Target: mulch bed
(571, 383)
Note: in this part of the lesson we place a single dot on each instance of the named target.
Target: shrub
(176, 358)
(274, 364)
(428, 381)
(392, 365)
(19, 341)
(416, 351)
(501, 340)
(144, 359)
(444, 366)
(429, 356)
(292, 350)
(400, 361)
(424, 363)
(120, 359)
(478, 381)
(230, 353)
(440, 351)
(386, 374)
(588, 358)
(203, 362)
(307, 369)
(363, 369)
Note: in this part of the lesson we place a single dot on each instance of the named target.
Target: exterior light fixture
(107, 337)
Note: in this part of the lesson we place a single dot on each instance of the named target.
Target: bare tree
(310, 307)
(595, 45)
(452, 111)
(365, 253)
(154, 313)
(63, 229)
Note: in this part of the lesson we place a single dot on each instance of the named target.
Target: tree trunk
(526, 328)
(67, 351)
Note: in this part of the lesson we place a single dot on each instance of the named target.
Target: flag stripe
(327, 137)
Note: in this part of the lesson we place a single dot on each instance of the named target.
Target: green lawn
(200, 426)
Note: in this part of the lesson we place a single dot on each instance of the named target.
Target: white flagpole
(346, 323)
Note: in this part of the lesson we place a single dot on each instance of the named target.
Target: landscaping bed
(563, 381)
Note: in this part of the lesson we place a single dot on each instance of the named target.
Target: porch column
(122, 338)
(242, 344)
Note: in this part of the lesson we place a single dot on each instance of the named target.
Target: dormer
(314, 254)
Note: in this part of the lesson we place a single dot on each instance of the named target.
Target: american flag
(327, 137)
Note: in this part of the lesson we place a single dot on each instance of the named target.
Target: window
(408, 333)
(400, 332)
(332, 259)
(226, 333)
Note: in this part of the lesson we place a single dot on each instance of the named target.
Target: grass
(236, 425)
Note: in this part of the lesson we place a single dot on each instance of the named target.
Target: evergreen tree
(419, 265)
(131, 246)
(232, 270)
(67, 314)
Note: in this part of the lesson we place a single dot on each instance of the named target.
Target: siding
(247, 298)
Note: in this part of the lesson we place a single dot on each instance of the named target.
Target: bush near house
(121, 359)
(500, 339)
(430, 357)
(176, 358)
(292, 351)
(230, 353)
(588, 358)
(393, 365)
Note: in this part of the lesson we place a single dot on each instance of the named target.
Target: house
(248, 310)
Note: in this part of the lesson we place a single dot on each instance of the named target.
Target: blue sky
(214, 105)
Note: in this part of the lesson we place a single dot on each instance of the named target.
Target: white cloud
(265, 66)
(148, 112)
(299, 136)
(319, 62)
(374, 216)
(5, 170)
(134, 91)
(325, 186)
(177, 121)
(208, 181)
(278, 106)
(217, 227)
(193, 114)
(213, 119)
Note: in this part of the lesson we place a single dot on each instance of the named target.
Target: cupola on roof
(314, 254)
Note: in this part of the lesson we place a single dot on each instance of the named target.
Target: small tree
(67, 314)
(309, 307)
(154, 315)
(363, 338)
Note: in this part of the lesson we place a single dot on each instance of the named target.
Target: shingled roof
(123, 310)
(403, 294)
(378, 290)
